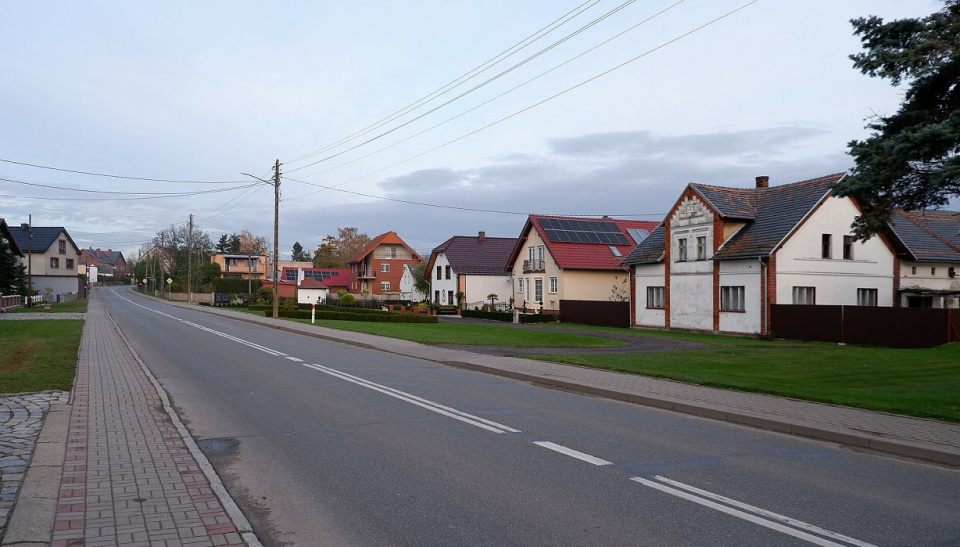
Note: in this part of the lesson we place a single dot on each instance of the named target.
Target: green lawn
(916, 382)
(77, 306)
(473, 335)
(37, 355)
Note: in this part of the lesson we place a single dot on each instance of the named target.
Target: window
(913, 270)
(538, 289)
(436, 296)
(732, 299)
(54, 262)
(385, 268)
(866, 297)
(384, 285)
(701, 247)
(532, 253)
(448, 272)
(655, 297)
(63, 247)
(933, 271)
(450, 297)
(439, 272)
(520, 285)
(554, 285)
(805, 295)
(69, 263)
(616, 252)
(681, 250)
(848, 247)
(825, 246)
(541, 252)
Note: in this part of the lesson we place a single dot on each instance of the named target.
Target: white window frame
(538, 289)
(682, 249)
(701, 247)
(519, 285)
(554, 287)
(384, 286)
(385, 268)
(733, 298)
(656, 297)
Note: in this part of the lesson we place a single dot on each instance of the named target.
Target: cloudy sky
(429, 118)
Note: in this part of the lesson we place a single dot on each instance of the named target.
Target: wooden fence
(873, 326)
(595, 312)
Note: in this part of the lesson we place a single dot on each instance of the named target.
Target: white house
(929, 259)
(408, 285)
(52, 258)
(723, 256)
(473, 265)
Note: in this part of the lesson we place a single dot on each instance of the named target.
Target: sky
(429, 118)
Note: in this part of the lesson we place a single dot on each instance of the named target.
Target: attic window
(615, 251)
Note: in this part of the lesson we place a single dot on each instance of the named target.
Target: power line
(452, 207)
(64, 170)
(483, 67)
(548, 99)
(148, 195)
(494, 78)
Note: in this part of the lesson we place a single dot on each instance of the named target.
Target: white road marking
(717, 502)
(476, 421)
(750, 513)
(572, 453)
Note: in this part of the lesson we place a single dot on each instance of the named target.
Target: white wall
(443, 284)
(800, 262)
(930, 276)
(479, 286)
(648, 275)
(691, 281)
(747, 274)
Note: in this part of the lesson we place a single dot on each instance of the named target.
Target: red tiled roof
(390, 238)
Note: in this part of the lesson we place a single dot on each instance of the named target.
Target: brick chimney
(763, 181)
(481, 236)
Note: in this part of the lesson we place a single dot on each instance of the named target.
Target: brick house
(109, 263)
(378, 267)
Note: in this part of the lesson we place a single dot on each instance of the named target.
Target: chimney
(763, 182)
(24, 226)
(481, 236)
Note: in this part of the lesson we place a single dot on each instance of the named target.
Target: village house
(474, 266)
(929, 258)
(570, 258)
(723, 256)
(378, 267)
(52, 259)
(110, 264)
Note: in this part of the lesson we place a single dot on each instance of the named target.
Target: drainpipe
(763, 298)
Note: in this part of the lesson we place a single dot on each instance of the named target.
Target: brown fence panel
(595, 312)
(810, 323)
(873, 326)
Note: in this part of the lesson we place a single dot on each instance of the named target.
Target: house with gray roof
(928, 258)
(51, 257)
(473, 265)
(723, 256)
(109, 263)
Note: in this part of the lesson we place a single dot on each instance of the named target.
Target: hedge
(493, 315)
(236, 286)
(538, 318)
(348, 316)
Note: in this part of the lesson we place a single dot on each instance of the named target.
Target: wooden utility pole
(276, 235)
(190, 261)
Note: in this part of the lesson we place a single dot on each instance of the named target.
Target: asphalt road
(323, 443)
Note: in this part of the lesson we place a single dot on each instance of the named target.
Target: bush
(238, 286)
(504, 316)
(538, 318)
(265, 294)
(348, 300)
(290, 304)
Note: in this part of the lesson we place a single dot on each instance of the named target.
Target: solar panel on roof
(565, 230)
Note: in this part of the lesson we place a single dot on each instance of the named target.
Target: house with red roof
(472, 265)
(723, 256)
(378, 267)
(572, 258)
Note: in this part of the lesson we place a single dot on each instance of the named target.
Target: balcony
(366, 274)
(533, 266)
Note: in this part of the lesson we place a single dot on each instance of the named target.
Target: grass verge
(916, 382)
(77, 306)
(37, 355)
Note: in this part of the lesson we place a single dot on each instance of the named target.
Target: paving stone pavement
(21, 418)
(128, 472)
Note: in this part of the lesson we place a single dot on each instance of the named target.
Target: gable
(597, 253)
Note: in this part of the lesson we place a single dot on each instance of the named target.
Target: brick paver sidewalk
(129, 477)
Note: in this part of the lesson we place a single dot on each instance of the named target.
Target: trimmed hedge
(348, 316)
(236, 286)
(504, 316)
(538, 318)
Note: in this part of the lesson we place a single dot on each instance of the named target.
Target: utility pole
(30, 261)
(276, 234)
(190, 262)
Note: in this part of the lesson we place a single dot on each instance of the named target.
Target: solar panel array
(319, 275)
(564, 230)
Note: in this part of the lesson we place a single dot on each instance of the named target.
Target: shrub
(423, 307)
(348, 300)
(343, 315)
(538, 318)
(265, 294)
(290, 304)
(504, 316)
